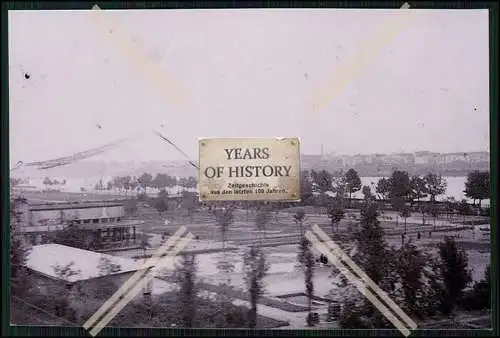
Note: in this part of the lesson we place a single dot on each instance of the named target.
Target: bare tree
(224, 218)
(186, 276)
(261, 221)
(299, 219)
(107, 267)
(255, 267)
(307, 258)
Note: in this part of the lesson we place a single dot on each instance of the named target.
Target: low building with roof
(101, 222)
(58, 266)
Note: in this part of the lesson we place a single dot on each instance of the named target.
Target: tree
(454, 273)
(477, 186)
(61, 302)
(339, 184)
(109, 185)
(405, 213)
(419, 191)
(398, 204)
(435, 185)
(383, 188)
(162, 181)
(224, 218)
(64, 272)
(171, 181)
(118, 183)
(336, 213)
(306, 190)
(19, 249)
(134, 183)
(262, 220)
(189, 182)
(399, 185)
(400, 190)
(372, 256)
(188, 292)
(299, 219)
(372, 248)
(126, 181)
(192, 182)
(189, 203)
(47, 181)
(307, 260)
(464, 209)
(255, 267)
(367, 193)
(161, 202)
(159, 181)
(418, 279)
(145, 180)
(433, 210)
(479, 298)
(107, 267)
(353, 183)
(323, 180)
(450, 206)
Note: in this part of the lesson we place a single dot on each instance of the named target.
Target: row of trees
(146, 180)
(404, 193)
(400, 185)
(188, 201)
(48, 182)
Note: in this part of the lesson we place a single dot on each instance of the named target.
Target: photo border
(9, 330)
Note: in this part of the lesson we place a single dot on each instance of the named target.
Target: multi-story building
(478, 156)
(454, 157)
(405, 158)
(100, 222)
(358, 159)
(427, 158)
(378, 158)
(422, 157)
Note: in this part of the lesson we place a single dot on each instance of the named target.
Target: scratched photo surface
(392, 225)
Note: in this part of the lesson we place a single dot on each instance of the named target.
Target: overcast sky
(244, 73)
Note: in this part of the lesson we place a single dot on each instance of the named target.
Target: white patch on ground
(43, 259)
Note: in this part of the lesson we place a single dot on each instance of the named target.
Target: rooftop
(85, 226)
(121, 224)
(43, 258)
(75, 205)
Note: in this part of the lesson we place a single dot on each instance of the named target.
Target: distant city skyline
(245, 73)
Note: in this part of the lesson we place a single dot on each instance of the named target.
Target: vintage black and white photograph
(391, 107)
